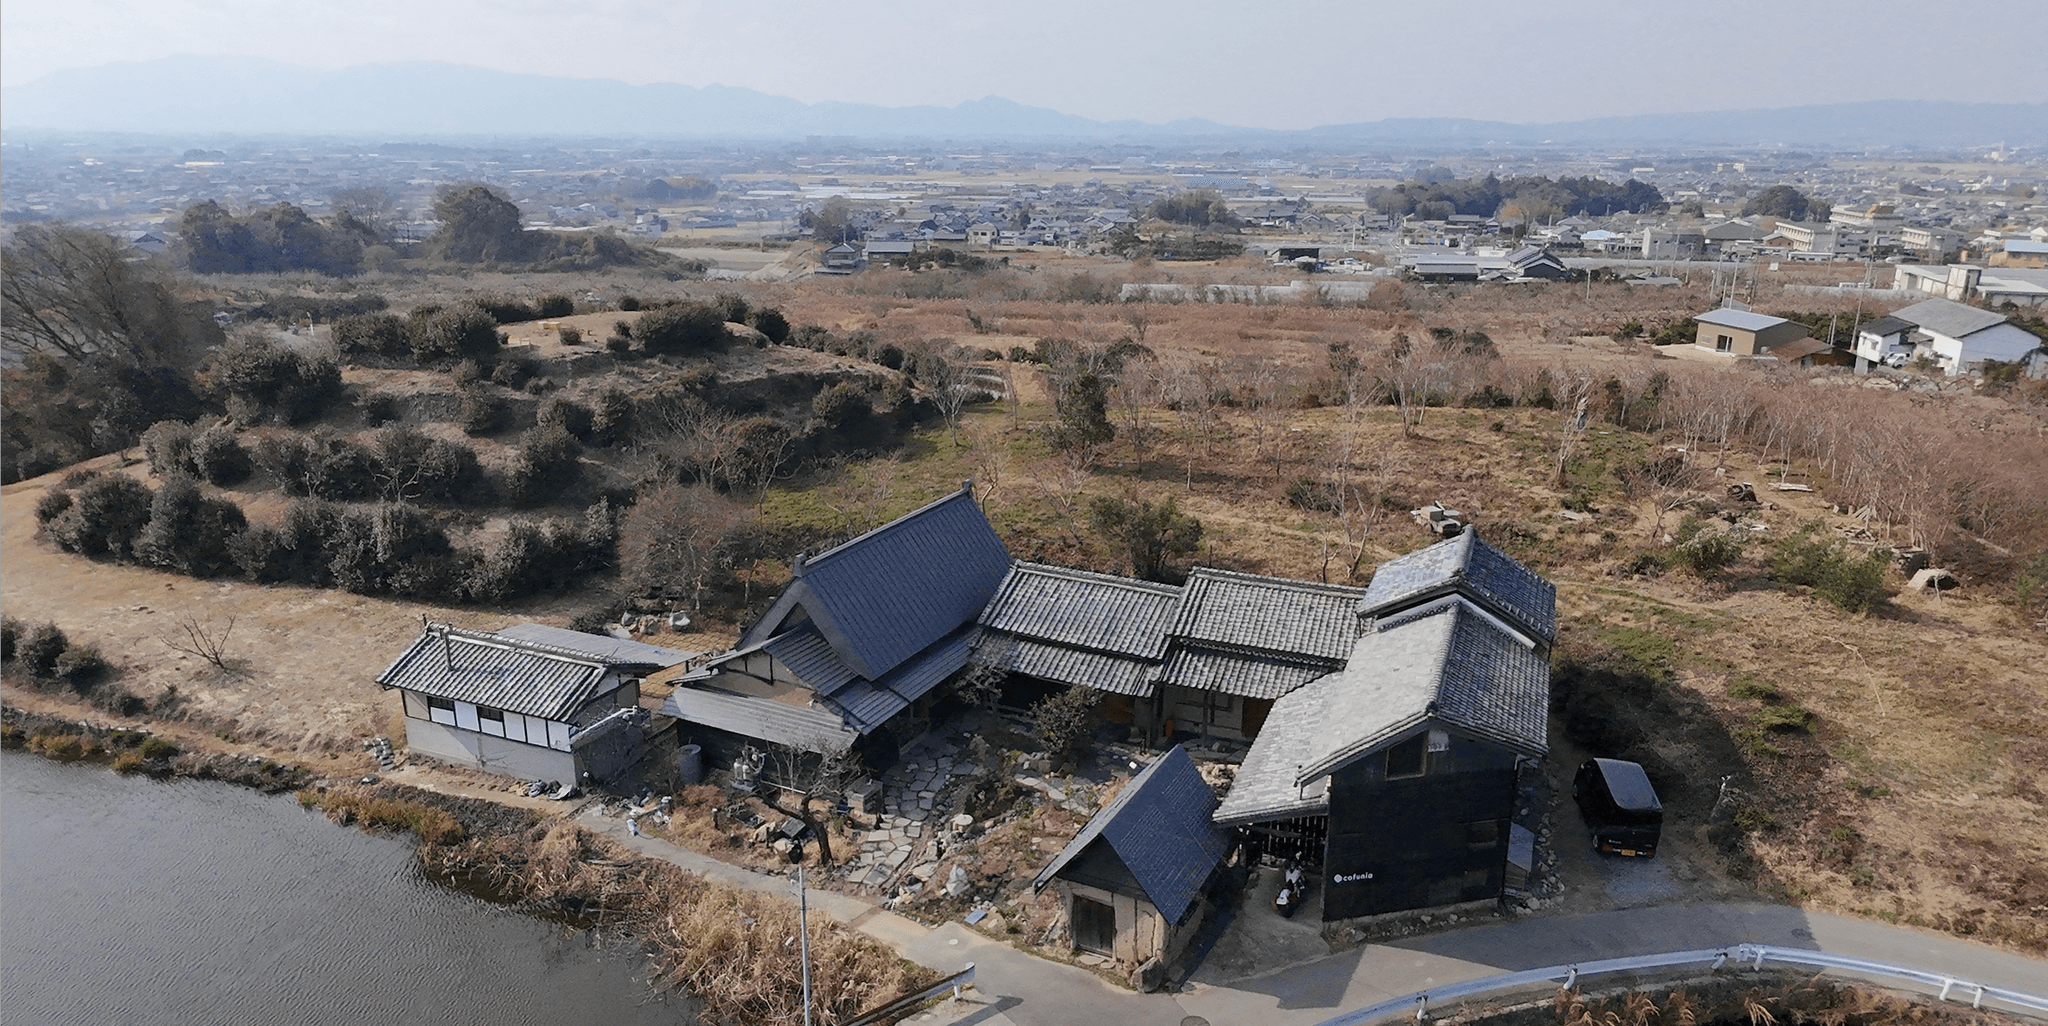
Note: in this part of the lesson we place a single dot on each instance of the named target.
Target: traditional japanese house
(864, 634)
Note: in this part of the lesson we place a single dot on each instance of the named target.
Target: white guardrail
(1754, 956)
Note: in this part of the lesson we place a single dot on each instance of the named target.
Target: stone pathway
(915, 812)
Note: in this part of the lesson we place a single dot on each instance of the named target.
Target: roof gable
(888, 594)
(1159, 826)
(488, 669)
(1467, 565)
(1944, 317)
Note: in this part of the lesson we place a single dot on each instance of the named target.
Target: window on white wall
(441, 710)
(465, 715)
(491, 720)
(515, 726)
(558, 736)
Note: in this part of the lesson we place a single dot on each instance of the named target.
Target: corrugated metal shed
(888, 594)
(604, 647)
(1273, 614)
(1469, 566)
(798, 726)
(504, 673)
(1160, 827)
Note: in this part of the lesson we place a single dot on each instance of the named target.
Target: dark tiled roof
(1469, 566)
(1886, 325)
(1451, 665)
(1264, 787)
(598, 646)
(867, 704)
(1245, 674)
(1274, 614)
(806, 727)
(1118, 675)
(1160, 827)
(810, 657)
(488, 669)
(1097, 612)
(888, 594)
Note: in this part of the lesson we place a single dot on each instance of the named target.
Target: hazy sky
(1289, 65)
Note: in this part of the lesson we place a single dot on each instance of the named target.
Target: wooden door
(1094, 926)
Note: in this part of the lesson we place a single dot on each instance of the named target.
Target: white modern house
(1960, 338)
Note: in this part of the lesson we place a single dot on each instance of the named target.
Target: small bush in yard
(81, 668)
(38, 649)
(1062, 721)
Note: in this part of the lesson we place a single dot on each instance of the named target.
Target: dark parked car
(1620, 806)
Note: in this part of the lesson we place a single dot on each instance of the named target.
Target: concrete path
(1013, 988)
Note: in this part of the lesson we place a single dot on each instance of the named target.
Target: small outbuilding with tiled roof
(525, 702)
(1133, 882)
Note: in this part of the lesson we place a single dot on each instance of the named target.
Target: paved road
(1016, 989)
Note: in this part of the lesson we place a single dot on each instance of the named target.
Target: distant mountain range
(434, 101)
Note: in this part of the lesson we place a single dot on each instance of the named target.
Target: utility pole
(803, 927)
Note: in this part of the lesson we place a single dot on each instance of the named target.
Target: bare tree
(809, 771)
(205, 640)
(952, 379)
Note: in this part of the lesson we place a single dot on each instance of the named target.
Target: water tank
(690, 764)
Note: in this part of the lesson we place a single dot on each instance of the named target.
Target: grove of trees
(1533, 197)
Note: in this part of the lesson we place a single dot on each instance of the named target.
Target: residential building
(862, 636)
(1133, 882)
(2020, 253)
(1397, 775)
(533, 702)
(887, 251)
(1742, 333)
(1960, 338)
(1669, 244)
(1882, 339)
(1538, 262)
(1928, 243)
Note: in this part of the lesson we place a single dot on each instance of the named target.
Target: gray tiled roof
(1270, 613)
(1886, 325)
(1085, 610)
(1951, 319)
(1245, 674)
(1451, 666)
(808, 655)
(599, 646)
(1118, 675)
(1160, 827)
(1264, 788)
(867, 704)
(798, 726)
(488, 669)
(1741, 319)
(888, 594)
(1469, 566)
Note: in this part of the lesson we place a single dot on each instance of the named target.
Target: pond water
(130, 900)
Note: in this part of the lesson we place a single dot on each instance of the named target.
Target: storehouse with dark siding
(1398, 774)
(864, 634)
(1132, 883)
(531, 702)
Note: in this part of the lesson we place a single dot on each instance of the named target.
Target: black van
(1620, 806)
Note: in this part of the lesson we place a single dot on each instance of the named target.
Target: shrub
(686, 329)
(463, 331)
(1748, 687)
(157, 748)
(1850, 583)
(167, 445)
(611, 419)
(618, 345)
(372, 335)
(513, 374)
(51, 506)
(479, 410)
(563, 413)
(189, 531)
(256, 379)
(1061, 721)
(414, 465)
(554, 304)
(105, 518)
(731, 306)
(288, 458)
(394, 549)
(218, 458)
(571, 336)
(80, 668)
(506, 310)
(1709, 552)
(770, 322)
(296, 550)
(548, 463)
(342, 470)
(629, 303)
(10, 633)
(532, 557)
(37, 651)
